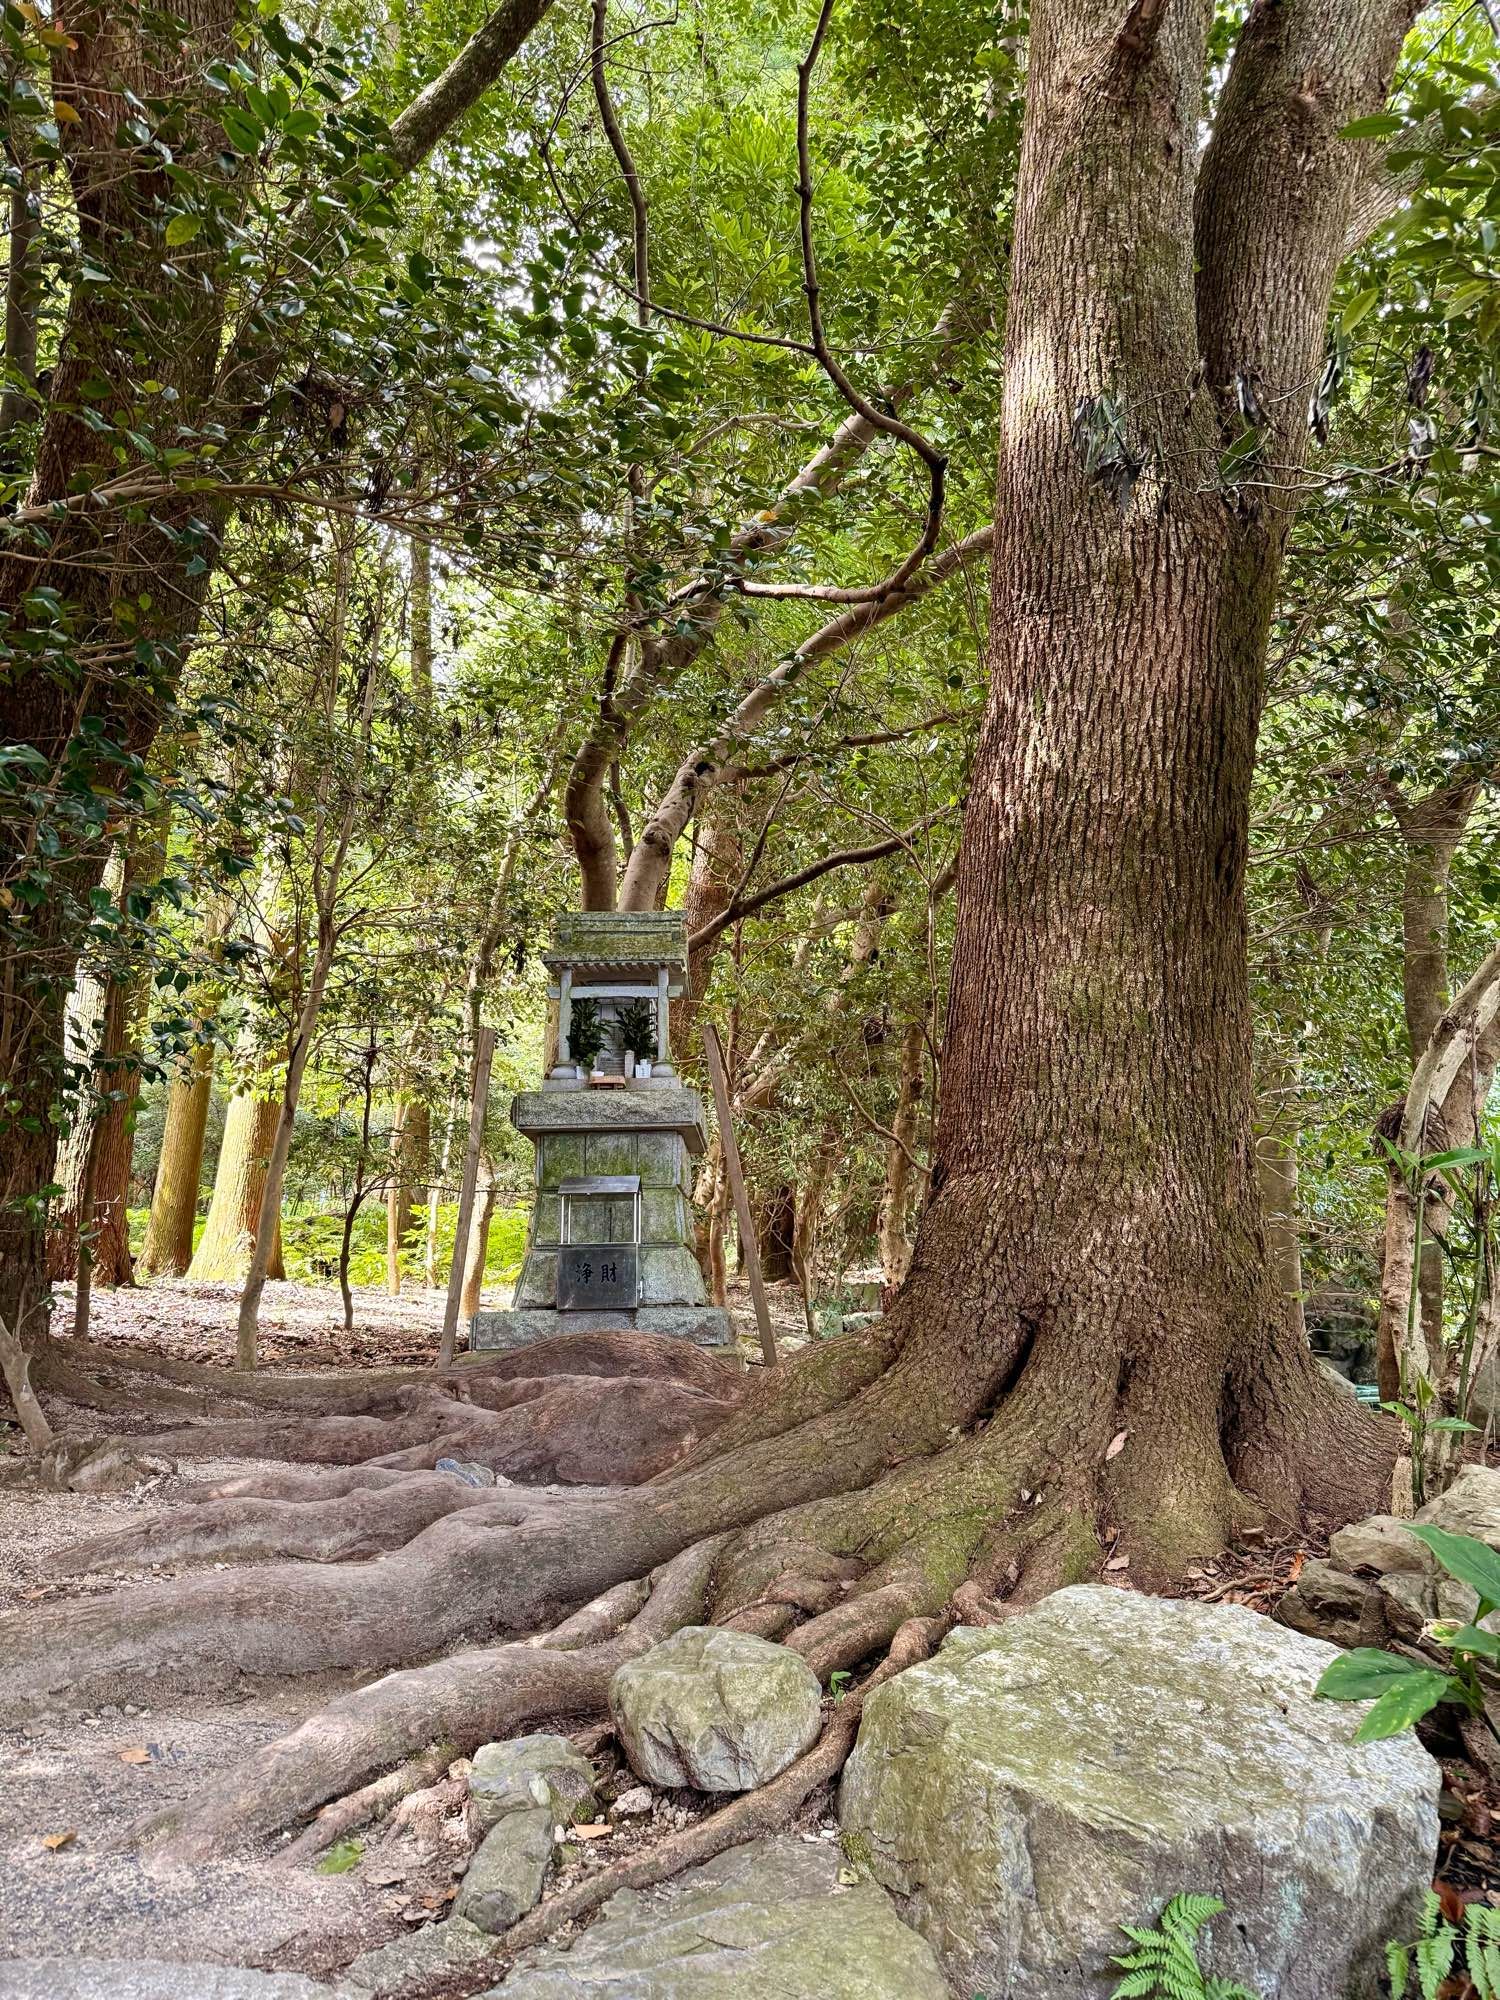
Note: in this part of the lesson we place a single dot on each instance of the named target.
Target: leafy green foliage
(1404, 1691)
(586, 1032)
(1164, 1964)
(1429, 1958)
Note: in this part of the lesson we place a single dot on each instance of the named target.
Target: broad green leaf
(183, 228)
(1383, 126)
(1357, 307)
(340, 1858)
(1471, 1561)
(1364, 1673)
(1402, 1705)
(1474, 1639)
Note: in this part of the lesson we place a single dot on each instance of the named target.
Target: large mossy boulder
(1040, 1782)
(768, 1921)
(721, 1711)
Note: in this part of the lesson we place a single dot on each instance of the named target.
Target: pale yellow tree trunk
(228, 1237)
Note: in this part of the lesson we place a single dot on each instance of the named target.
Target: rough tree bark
(1091, 1261)
(234, 1211)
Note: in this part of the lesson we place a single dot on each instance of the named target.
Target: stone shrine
(615, 1135)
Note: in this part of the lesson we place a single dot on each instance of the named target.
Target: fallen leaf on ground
(340, 1858)
(136, 1754)
(1116, 1445)
(53, 1841)
(1118, 1562)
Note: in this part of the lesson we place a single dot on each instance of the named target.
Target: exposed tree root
(464, 1701)
(582, 1429)
(750, 1817)
(371, 1801)
(315, 1530)
(82, 1370)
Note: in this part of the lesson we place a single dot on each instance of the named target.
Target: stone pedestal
(652, 1131)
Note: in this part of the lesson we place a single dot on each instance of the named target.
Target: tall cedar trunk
(168, 1248)
(1094, 1235)
(894, 1226)
(239, 1187)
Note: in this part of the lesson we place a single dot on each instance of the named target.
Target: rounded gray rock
(720, 1711)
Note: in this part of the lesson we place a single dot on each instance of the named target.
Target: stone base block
(709, 1326)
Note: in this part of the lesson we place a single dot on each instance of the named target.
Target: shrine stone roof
(619, 937)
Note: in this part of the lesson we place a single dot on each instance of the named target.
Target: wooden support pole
(479, 1098)
(731, 1154)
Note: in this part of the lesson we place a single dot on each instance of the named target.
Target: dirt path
(78, 1781)
(87, 1776)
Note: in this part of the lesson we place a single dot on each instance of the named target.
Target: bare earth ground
(86, 1777)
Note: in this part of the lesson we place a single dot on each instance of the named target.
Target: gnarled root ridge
(930, 1480)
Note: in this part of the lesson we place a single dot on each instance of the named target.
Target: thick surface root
(461, 1702)
(581, 1429)
(333, 1528)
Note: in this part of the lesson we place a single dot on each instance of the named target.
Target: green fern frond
(1430, 1920)
(1434, 1960)
(1398, 1968)
(1482, 1949)
(1185, 1916)
(1164, 1964)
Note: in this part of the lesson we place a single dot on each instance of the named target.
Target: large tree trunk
(1094, 1238)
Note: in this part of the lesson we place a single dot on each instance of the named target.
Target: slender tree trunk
(1431, 831)
(776, 1228)
(894, 1227)
(22, 292)
(406, 1194)
(477, 1250)
(809, 1219)
(168, 1249)
(234, 1213)
(431, 1273)
(264, 1244)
